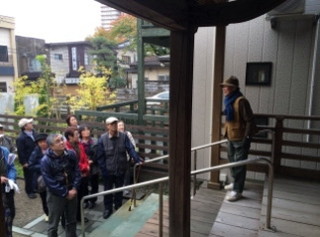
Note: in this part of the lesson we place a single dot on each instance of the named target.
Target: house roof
(69, 43)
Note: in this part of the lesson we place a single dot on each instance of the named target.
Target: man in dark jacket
(60, 171)
(25, 145)
(112, 158)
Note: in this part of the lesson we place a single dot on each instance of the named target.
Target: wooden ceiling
(186, 14)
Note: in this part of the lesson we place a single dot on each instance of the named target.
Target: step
(128, 223)
(295, 209)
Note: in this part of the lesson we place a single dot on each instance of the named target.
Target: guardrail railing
(195, 172)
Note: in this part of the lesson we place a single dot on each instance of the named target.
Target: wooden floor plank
(220, 229)
(238, 221)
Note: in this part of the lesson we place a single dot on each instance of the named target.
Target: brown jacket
(243, 124)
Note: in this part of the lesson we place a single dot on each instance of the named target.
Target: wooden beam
(181, 73)
(225, 13)
(168, 14)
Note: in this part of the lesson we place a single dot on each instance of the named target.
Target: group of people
(70, 166)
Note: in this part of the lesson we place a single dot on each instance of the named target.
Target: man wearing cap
(25, 146)
(112, 158)
(239, 128)
(6, 141)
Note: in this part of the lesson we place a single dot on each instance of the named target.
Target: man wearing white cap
(112, 158)
(25, 145)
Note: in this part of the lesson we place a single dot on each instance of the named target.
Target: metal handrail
(195, 149)
(200, 171)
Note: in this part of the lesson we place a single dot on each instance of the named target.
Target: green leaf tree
(44, 87)
(92, 92)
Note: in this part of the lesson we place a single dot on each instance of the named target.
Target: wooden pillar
(181, 73)
(2, 223)
(217, 102)
(140, 55)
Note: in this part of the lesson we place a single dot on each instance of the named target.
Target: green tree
(92, 91)
(44, 87)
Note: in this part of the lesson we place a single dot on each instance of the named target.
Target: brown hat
(231, 81)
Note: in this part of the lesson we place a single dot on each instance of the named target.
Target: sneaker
(46, 218)
(32, 195)
(233, 196)
(229, 186)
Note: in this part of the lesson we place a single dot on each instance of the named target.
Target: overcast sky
(53, 20)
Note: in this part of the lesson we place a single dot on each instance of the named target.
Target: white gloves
(12, 185)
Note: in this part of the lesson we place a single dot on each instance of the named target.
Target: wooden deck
(295, 212)
(204, 209)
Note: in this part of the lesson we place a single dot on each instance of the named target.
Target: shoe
(86, 220)
(91, 205)
(32, 195)
(46, 218)
(233, 196)
(106, 214)
(228, 187)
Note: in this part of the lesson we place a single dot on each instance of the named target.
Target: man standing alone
(112, 158)
(25, 146)
(239, 128)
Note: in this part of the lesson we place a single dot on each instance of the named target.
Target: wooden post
(2, 223)
(277, 147)
(181, 76)
(140, 54)
(217, 102)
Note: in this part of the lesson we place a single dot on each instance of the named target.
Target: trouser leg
(43, 196)
(71, 218)
(56, 206)
(108, 199)
(83, 191)
(29, 180)
(118, 196)
(238, 151)
(94, 183)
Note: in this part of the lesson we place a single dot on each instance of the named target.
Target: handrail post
(277, 144)
(270, 195)
(160, 209)
(195, 176)
(82, 217)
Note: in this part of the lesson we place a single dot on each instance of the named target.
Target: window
(163, 78)
(259, 74)
(3, 87)
(125, 59)
(4, 54)
(57, 56)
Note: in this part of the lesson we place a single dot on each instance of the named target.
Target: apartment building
(108, 15)
(8, 57)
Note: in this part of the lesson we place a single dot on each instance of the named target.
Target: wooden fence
(293, 140)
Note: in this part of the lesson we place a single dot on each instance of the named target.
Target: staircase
(128, 223)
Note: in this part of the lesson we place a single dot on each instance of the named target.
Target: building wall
(7, 38)
(60, 67)
(289, 45)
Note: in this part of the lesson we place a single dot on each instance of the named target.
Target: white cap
(111, 120)
(24, 121)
